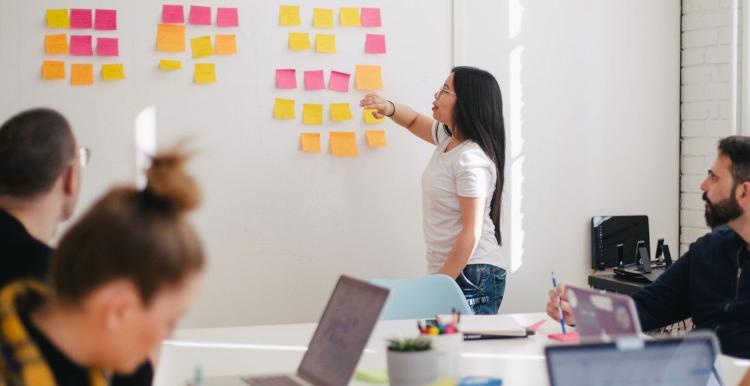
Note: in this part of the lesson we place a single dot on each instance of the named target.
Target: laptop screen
(342, 332)
(670, 362)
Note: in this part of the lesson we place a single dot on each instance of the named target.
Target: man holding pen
(710, 283)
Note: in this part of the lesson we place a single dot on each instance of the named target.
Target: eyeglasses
(443, 91)
(84, 156)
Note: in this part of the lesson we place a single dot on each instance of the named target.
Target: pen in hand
(559, 303)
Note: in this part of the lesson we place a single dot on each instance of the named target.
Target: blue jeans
(483, 286)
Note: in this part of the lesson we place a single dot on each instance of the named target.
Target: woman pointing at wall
(462, 185)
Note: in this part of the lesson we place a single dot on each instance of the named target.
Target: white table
(279, 348)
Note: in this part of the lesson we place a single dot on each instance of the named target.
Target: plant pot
(412, 368)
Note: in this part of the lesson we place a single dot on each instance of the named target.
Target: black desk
(606, 280)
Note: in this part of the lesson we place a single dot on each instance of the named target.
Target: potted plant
(411, 361)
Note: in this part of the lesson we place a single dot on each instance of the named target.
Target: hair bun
(168, 180)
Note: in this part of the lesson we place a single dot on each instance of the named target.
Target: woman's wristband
(394, 109)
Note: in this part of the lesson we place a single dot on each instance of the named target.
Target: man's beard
(721, 212)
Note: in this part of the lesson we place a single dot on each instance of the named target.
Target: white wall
(591, 92)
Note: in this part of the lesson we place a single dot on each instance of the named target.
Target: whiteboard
(279, 225)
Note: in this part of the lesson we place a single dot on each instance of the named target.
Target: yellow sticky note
(369, 117)
(340, 112)
(310, 142)
(312, 114)
(376, 138)
(166, 64)
(53, 70)
(368, 77)
(204, 73)
(170, 38)
(226, 44)
(113, 72)
(325, 43)
(322, 18)
(349, 17)
(202, 47)
(56, 44)
(299, 41)
(58, 18)
(283, 108)
(343, 143)
(289, 15)
(81, 74)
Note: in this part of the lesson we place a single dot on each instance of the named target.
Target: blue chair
(422, 297)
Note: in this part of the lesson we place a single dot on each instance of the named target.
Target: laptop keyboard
(277, 380)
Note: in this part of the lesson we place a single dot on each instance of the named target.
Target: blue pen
(559, 303)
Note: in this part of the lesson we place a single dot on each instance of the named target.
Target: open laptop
(602, 315)
(338, 342)
(687, 361)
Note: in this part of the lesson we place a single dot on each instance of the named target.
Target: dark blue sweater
(711, 285)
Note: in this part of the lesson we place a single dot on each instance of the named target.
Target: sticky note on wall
(172, 13)
(349, 17)
(80, 18)
(283, 108)
(325, 43)
(376, 138)
(310, 142)
(53, 70)
(107, 47)
(204, 73)
(202, 47)
(105, 19)
(81, 74)
(56, 44)
(227, 17)
(314, 80)
(113, 72)
(368, 77)
(338, 81)
(286, 78)
(226, 44)
(343, 143)
(170, 38)
(58, 18)
(168, 64)
(322, 18)
(370, 17)
(80, 45)
(312, 114)
(375, 44)
(200, 15)
(299, 41)
(340, 112)
(289, 15)
(369, 117)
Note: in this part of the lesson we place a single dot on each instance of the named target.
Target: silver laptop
(601, 315)
(338, 342)
(633, 361)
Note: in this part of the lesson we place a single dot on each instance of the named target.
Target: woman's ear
(114, 304)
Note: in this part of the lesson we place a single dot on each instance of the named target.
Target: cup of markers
(446, 341)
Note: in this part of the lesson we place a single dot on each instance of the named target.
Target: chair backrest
(422, 297)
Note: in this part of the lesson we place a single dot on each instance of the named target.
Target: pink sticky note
(339, 81)
(80, 18)
(314, 80)
(80, 45)
(375, 44)
(172, 13)
(569, 337)
(227, 17)
(106, 19)
(107, 47)
(370, 17)
(200, 15)
(286, 78)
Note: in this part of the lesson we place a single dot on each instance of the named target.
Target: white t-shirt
(464, 171)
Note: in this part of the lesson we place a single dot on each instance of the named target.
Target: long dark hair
(478, 116)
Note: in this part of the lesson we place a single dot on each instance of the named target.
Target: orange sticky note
(56, 44)
(204, 73)
(368, 78)
(369, 117)
(226, 44)
(170, 38)
(299, 41)
(349, 17)
(289, 15)
(53, 70)
(312, 114)
(283, 108)
(113, 72)
(310, 142)
(202, 47)
(325, 43)
(376, 138)
(58, 18)
(340, 112)
(81, 74)
(343, 143)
